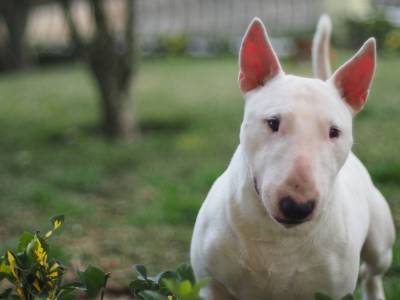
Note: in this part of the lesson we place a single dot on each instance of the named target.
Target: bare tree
(15, 16)
(111, 59)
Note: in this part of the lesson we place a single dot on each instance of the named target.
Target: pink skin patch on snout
(300, 184)
(297, 198)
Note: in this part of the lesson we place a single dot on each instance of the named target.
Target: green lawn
(131, 203)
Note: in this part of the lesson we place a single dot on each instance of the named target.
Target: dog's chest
(292, 270)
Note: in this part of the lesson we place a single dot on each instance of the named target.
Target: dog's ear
(257, 60)
(354, 78)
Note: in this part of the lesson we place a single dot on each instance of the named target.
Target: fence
(209, 18)
(225, 17)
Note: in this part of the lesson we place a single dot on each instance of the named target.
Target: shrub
(33, 274)
(168, 285)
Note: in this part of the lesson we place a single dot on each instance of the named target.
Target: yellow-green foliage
(32, 274)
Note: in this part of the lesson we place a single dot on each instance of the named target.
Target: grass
(137, 203)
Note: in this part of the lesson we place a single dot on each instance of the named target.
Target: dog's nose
(295, 212)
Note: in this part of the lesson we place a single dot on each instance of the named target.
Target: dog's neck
(245, 204)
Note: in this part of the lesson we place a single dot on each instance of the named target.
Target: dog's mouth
(288, 222)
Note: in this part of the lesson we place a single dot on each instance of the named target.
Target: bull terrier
(295, 212)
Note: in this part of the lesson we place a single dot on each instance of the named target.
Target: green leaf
(8, 295)
(24, 241)
(94, 280)
(151, 295)
(160, 280)
(185, 288)
(56, 223)
(163, 275)
(320, 296)
(72, 286)
(69, 294)
(185, 272)
(38, 249)
(141, 271)
(171, 284)
(4, 268)
(138, 286)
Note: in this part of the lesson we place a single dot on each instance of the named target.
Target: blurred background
(120, 114)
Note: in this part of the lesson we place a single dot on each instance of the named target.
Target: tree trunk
(15, 15)
(118, 122)
(111, 58)
(112, 68)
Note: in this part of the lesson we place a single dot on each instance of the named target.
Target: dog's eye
(334, 132)
(273, 123)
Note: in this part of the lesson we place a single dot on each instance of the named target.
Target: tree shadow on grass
(163, 125)
(147, 126)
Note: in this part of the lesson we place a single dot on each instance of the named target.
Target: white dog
(295, 211)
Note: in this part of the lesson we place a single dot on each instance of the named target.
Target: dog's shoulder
(354, 176)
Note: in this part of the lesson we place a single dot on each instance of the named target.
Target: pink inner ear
(258, 62)
(354, 78)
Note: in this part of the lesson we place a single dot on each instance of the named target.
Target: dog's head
(297, 132)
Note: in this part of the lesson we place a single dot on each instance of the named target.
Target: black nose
(295, 212)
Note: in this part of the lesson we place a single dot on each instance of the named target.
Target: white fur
(247, 254)
(320, 49)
